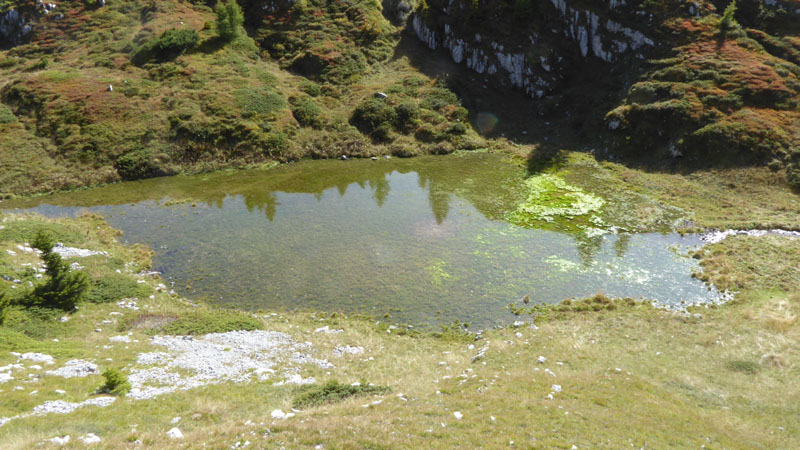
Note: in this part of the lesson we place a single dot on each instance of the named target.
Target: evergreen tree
(63, 287)
(728, 21)
(230, 19)
(4, 301)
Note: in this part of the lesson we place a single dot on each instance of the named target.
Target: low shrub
(305, 111)
(261, 101)
(310, 88)
(407, 115)
(211, 322)
(457, 128)
(375, 117)
(6, 115)
(136, 164)
(168, 46)
(747, 367)
(114, 287)
(116, 383)
(333, 391)
(439, 97)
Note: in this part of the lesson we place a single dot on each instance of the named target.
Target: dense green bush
(310, 88)
(375, 117)
(407, 114)
(136, 164)
(63, 287)
(457, 128)
(439, 97)
(229, 20)
(116, 382)
(6, 115)
(305, 111)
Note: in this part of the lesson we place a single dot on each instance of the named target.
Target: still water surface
(421, 239)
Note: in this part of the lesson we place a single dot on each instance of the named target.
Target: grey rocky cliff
(534, 62)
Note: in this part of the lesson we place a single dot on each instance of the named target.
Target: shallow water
(421, 239)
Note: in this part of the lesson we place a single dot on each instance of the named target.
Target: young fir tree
(728, 21)
(63, 287)
(229, 20)
(4, 302)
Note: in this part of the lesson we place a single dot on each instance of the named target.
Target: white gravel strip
(72, 252)
(713, 237)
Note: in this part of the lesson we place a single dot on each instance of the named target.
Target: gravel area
(235, 356)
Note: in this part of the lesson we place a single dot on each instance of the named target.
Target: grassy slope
(215, 105)
(631, 375)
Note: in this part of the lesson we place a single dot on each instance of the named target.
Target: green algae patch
(551, 199)
(438, 273)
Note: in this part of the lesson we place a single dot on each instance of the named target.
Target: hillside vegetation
(134, 89)
(137, 89)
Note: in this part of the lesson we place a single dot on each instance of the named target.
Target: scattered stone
(35, 357)
(175, 434)
(123, 339)
(556, 388)
(62, 407)
(60, 391)
(518, 323)
(458, 415)
(541, 359)
(75, 368)
(342, 350)
(380, 95)
(327, 330)
(175, 420)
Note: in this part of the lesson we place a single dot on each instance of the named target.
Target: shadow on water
(420, 239)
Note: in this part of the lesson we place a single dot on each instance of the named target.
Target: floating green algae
(551, 198)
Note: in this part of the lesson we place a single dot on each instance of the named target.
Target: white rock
(60, 440)
(556, 388)
(175, 420)
(277, 414)
(541, 359)
(90, 439)
(125, 339)
(175, 434)
(458, 415)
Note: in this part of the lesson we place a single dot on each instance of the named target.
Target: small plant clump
(116, 382)
(63, 287)
(333, 391)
